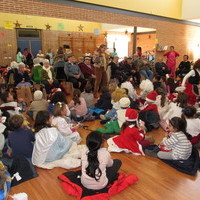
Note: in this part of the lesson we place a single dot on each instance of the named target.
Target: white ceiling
(122, 28)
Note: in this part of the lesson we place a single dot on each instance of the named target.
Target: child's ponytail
(93, 142)
(180, 124)
(161, 92)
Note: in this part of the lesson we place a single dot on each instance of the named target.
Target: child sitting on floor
(129, 86)
(38, 104)
(59, 121)
(98, 169)
(149, 112)
(158, 83)
(8, 107)
(177, 142)
(132, 136)
(77, 106)
(146, 87)
(193, 124)
(175, 108)
(116, 96)
(88, 96)
(58, 96)
(20, 140)
(51, 149)
(114, 126)
(104, 102)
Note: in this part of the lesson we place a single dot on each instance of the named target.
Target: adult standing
(100, 64)
(73, 73)
(171, 59)
(29, 58)
(59, 68)
(19, 56)
(50, 54)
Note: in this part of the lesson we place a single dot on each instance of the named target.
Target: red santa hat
(151, 97)
(131, 115)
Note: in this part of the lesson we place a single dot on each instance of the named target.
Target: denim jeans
(148, 74)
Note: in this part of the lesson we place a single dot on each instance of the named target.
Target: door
(28, 38)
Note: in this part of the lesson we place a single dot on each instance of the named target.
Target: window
(28, 33)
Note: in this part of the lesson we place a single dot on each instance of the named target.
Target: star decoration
(48, 27)
(17, 24)
(80, 27)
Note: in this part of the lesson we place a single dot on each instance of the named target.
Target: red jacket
(129, 139)
(152, 107)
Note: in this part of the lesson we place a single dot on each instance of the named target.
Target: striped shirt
(180, 145)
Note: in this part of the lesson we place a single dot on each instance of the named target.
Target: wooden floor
(156, 179)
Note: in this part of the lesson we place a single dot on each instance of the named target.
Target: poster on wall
(8, 25)
(60, 27)
(96, 31)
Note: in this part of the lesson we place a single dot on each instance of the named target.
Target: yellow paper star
(17, 24)
(48, 27)
(80, 27)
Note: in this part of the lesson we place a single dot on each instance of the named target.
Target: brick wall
(167, 33)
(146, 41)
(8, 46)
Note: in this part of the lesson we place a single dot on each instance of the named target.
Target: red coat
(118, 186)
(87, 71)
(129, 139)
(152, 107)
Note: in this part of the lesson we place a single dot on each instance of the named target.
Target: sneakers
(102, 117)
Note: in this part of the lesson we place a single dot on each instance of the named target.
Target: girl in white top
(59, 120)
(193, 124)
(175, 108)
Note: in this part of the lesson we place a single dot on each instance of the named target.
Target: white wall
(191, 9)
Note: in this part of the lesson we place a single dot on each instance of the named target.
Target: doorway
(29, 38)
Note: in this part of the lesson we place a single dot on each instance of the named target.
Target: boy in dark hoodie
(104, 102)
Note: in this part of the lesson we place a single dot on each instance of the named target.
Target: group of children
(54, 139)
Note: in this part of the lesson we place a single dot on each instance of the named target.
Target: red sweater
(129, 139)
(87, 71)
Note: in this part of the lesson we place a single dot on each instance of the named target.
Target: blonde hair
(118, 94)
(58, 109)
